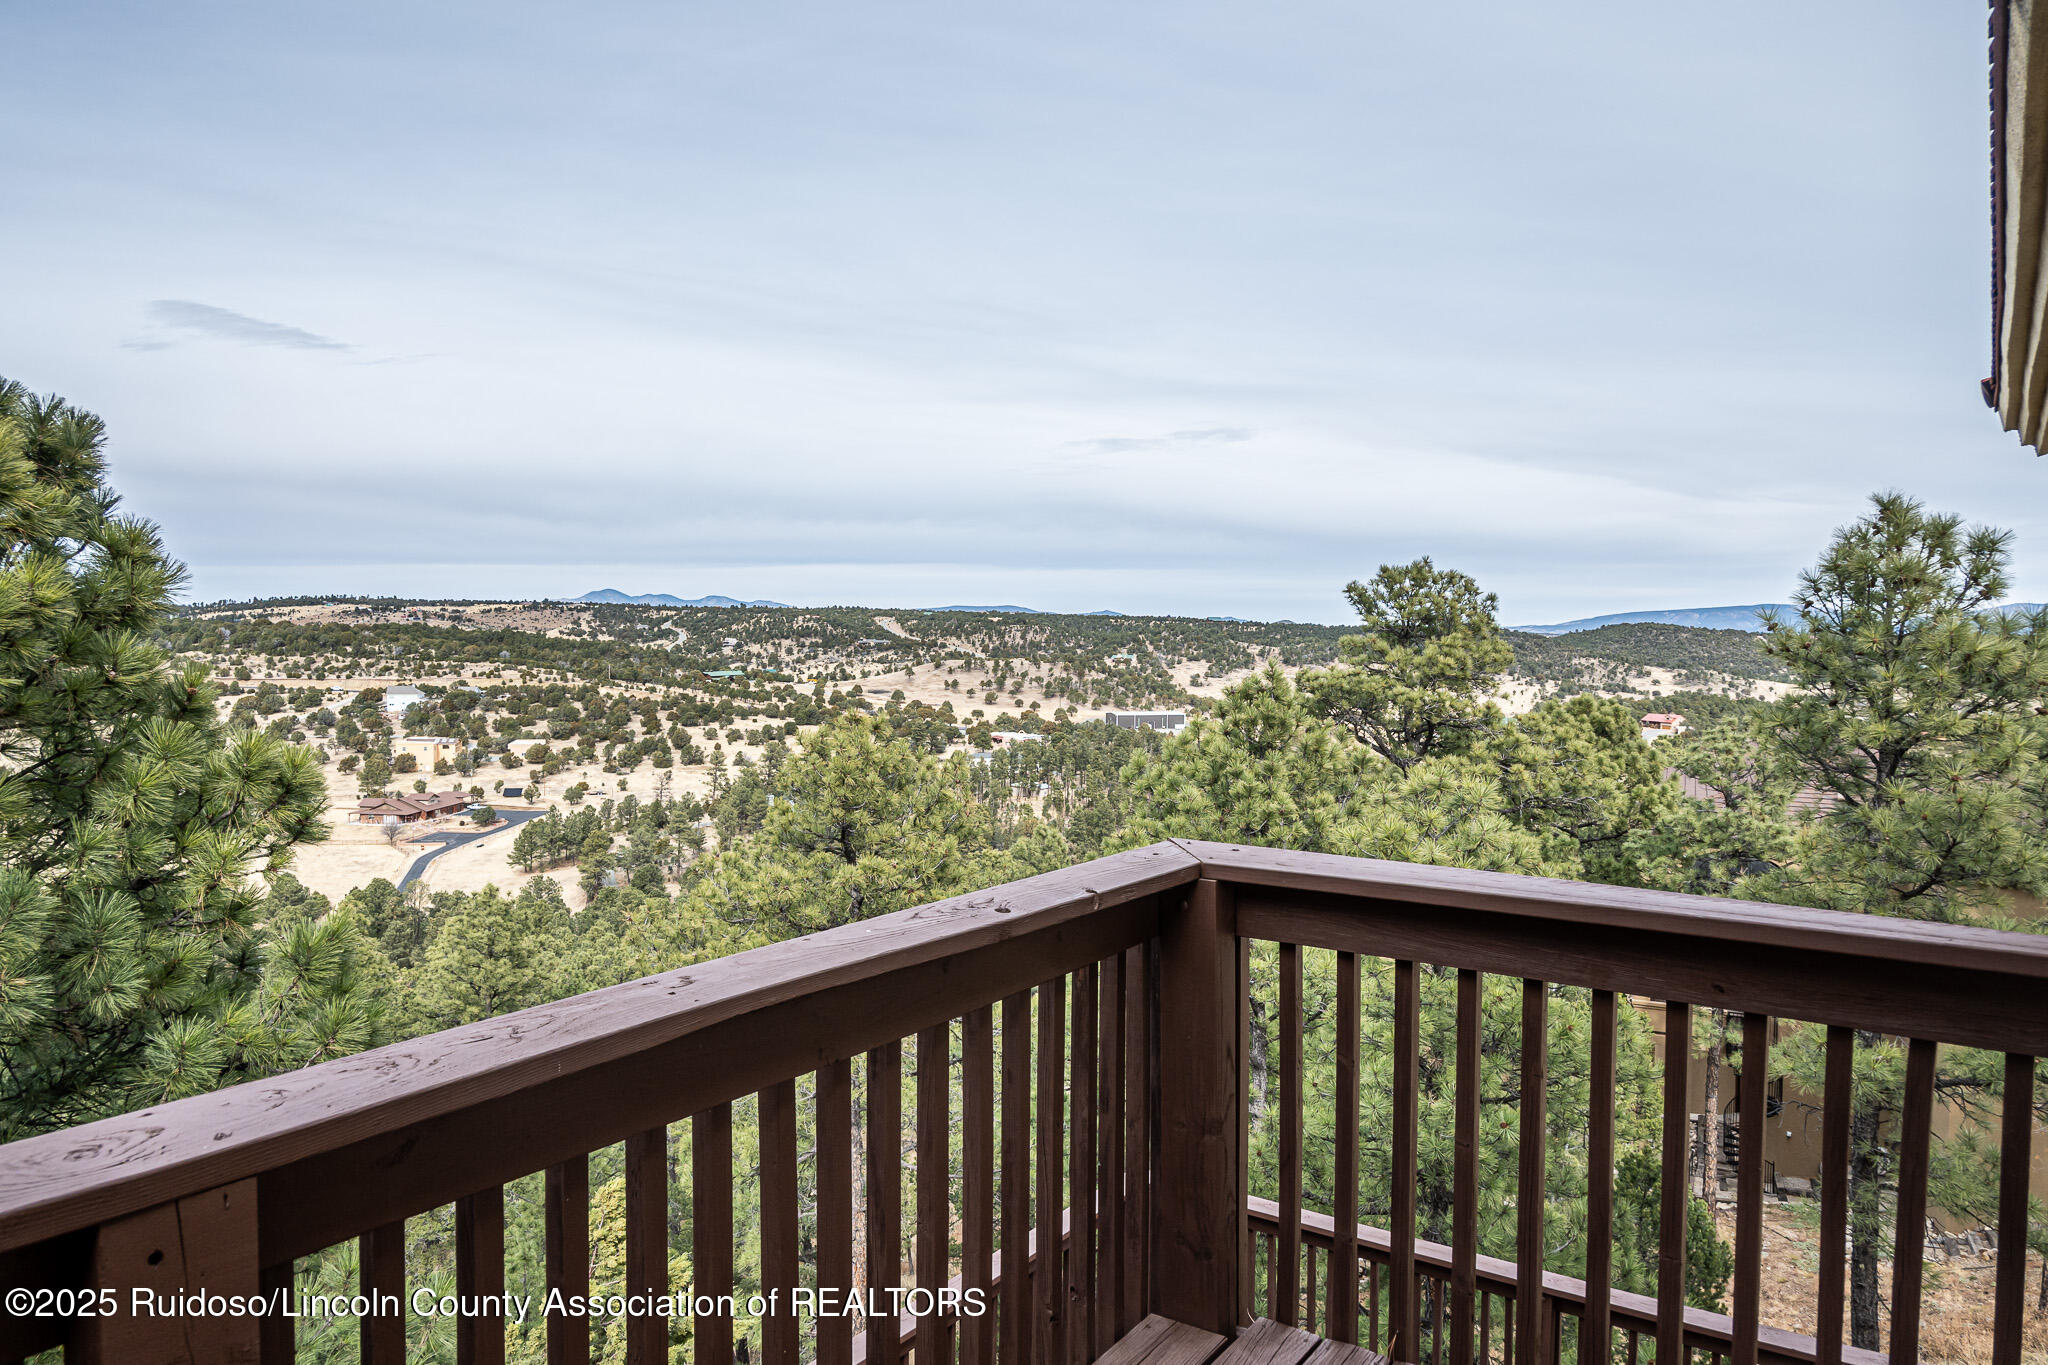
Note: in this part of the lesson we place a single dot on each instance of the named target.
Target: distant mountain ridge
(1747, 618)
(1024, 611)
(1020, 611)
(663, 599)
(1706, 618)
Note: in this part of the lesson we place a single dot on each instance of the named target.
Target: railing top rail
(81, 1176)
(1752, 923)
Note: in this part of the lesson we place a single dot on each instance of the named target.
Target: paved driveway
(452, 839)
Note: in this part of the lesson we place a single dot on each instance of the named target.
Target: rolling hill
(1016, 611)
(1707, 618)
(663, 599)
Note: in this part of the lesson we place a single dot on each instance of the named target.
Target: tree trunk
(1707, 1153)
(1867, 1161)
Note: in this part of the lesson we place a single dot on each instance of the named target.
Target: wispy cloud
(204, 319)
(1118, 445)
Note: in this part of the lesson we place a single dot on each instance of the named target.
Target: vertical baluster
(1342, 1324)
(565, 1195)
(1436, 1320)
(1529, 1199)
(1269, 1243)
(1485, 1327)
(1635, 1342)
(1836, 1101)
(647, 1243)
(1749, 1186)
(1372, 1306)
(1081, 1263)
(1109, 1153)
(2014, 1151)
(380, 1264)
(1048, 1283)
(1465, 1169)
(779, 1220)
(1014, 1311)
(711, 1229)
(835, 1205)
(934, 1177)
(977, 1177)
(1671, 1194)
(885, 1197)
(1241, 997)
(277, 1337)
(1404, 1316)
(1308, 1287)
(1916, 1116)
(1289, 1263)
(1595, 1338)
(480, 1276)
(1137, 1148)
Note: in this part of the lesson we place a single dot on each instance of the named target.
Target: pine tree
(1714, 849)
(1419, 682)
(1917, 710)
(1576, 774)
(863, 824)
(135, 965)
(490, 955)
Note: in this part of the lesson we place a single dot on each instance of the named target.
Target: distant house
(431, 749)
(396, 699)
(1171, 722)
(410, 809)
(1658, 724)
(1015, 736)
(719, 674)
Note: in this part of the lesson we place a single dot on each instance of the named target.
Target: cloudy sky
(1177, 307)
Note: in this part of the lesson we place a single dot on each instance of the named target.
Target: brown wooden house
(410, 808)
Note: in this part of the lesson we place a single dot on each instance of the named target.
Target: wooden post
(1198, 1193)
(201, 1244)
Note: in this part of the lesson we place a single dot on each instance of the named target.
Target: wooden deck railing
(1077, 1045)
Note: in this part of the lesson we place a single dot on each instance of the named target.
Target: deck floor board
(1267, 1342)
(1344, 1353)
(1162, 1341)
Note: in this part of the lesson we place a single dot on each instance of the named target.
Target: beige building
(430, 749)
